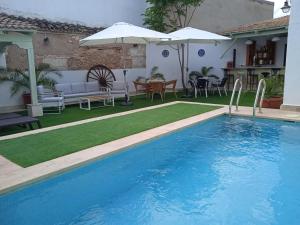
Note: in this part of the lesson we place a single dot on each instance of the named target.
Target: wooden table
(96, 98)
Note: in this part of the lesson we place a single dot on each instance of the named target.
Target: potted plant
(205, 71)
(155, 75)
(21, 80)
(274, 92)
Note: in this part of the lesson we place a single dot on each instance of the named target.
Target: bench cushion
(78, 88)
(65, 88)
(76, 95)
(92, 86)
(53, 99)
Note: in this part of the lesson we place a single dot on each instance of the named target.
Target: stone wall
(62, 51)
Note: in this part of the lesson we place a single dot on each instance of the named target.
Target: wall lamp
(286, 7)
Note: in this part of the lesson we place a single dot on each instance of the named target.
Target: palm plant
(156, 75)
(274, 86)
(21, 79)
(205, 71)
(194, 75)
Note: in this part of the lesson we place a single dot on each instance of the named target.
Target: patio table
(98, 98)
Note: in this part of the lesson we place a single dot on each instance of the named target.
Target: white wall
(89, 12)
(170, 67)
(292, 76)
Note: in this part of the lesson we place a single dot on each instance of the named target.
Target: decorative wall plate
(165, 53)
(201, 52)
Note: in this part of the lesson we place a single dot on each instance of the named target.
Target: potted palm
(155, 75)
(21, 80)
(274, 92)
(205, 71)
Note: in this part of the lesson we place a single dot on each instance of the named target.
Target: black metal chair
(192, 84)
(214, 81)
(221, 86)
(202, 84)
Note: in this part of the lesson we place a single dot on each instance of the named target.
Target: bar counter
(250, 75)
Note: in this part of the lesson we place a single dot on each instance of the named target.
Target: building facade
(219, 15)
(213, 15)
(291, 98)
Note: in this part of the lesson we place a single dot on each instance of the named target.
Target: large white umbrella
(124, 33)
(189, 35)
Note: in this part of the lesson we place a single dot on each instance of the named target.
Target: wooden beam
(259, 33)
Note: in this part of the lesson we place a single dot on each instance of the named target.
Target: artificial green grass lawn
(73, 113)
(33, 149)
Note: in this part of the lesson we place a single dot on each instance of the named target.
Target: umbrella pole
(126, 102)
(186, 71)
(187, 66)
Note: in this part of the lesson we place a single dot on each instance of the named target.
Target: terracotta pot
(26, 98)
(273, 102)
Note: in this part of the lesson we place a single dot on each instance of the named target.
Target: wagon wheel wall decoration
(102, 74)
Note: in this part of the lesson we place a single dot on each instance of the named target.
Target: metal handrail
(261, 84)
(237, 82)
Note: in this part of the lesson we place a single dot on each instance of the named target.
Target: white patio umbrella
(189, 35)
(124, 33)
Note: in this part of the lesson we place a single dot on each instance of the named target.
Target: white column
(31, 70)
(2, 60)
(34, 109)
(291, 98)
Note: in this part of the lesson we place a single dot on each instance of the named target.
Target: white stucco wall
(292, 76)
(170, 67)
(89, 12)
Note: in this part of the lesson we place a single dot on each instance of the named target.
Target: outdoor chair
(220, 86)
(171, 86)
(52, 101)
(192, 84)
(202, 85)
(157, 88)
(214, 81)
(141, 87)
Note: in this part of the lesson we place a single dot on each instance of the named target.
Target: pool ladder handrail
(261, 85)
(237, 82)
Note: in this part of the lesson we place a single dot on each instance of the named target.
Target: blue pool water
(229, 171)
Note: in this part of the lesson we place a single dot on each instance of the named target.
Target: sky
(278, 5)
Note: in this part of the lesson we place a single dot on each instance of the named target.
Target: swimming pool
(223, 171)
